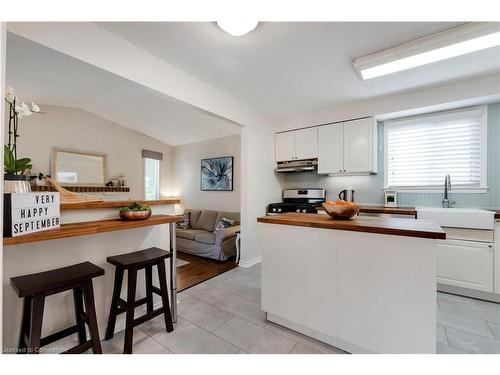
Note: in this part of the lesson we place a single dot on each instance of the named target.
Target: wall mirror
(78, 167)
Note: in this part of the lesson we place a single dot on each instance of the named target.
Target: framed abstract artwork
(217, 174)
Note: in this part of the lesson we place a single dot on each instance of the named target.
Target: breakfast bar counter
(365, 285)
(89, 232)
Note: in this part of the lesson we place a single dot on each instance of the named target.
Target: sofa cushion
(206, 220)
(229, 215)
(205, 237)
(188, 234)
(193, 217)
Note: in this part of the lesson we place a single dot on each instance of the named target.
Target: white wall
(186, 169)
(81, 130)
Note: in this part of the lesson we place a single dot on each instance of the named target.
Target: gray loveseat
(200, 238)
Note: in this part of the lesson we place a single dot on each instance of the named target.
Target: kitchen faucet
(447, 186)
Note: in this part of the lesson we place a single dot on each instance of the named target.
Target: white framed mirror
(69, 167)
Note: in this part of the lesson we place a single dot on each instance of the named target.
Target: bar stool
(35, 287)
(133, 262)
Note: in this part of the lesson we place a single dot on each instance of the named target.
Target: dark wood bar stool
(133, 262)
(35, 287)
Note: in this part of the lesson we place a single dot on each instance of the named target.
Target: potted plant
(16, 169)
(135, 211)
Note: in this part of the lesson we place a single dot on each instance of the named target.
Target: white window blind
(420, 151)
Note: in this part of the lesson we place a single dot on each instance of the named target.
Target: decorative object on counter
(16, 170)
(68, 197)
(391, 198)
(26, 213)
(341, 209)
(217, 174)
(135, 211)
(121, 180)
(347, 194)
(40, 180)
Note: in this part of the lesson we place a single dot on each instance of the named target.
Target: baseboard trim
(250, 262)
(330, 340)
(478, 294)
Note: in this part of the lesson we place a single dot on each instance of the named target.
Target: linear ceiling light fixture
(450, 43)
(237, 27)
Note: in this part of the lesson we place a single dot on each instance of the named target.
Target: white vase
(15, 184)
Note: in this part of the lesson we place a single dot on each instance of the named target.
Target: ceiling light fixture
(237, 27)
(437, 47)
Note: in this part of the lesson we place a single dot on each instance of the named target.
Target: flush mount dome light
(450, 43)
(237, 27)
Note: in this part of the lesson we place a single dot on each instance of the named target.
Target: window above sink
(420, 150)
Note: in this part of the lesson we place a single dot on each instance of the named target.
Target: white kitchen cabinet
(348, 147)
(359, 153)
(465, 264)
(297, 145)
(310, 297)
(330, 148)
(285, 146)
(306, 143)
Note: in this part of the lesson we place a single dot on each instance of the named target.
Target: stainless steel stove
(298, 200)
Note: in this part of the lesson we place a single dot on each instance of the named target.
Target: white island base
(361, 292)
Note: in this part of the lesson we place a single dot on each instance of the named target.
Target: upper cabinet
(348, 147)
(297, 145)
(331, 148)
(285, 146)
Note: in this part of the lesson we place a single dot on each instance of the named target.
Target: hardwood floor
(199, 269)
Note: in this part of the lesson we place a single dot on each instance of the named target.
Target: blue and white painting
(217, 174)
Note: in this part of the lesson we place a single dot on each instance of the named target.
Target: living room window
(152, 161)
(421, 150)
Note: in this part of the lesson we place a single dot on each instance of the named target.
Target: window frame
(483, 188)
(158, 184)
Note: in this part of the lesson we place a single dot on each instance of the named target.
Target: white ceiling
(287, 69)
(48, 77)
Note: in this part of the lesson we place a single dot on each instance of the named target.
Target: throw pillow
(224, 223)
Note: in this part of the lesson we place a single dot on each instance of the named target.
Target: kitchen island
(366, 285)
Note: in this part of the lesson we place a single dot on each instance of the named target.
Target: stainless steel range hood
(309, 165)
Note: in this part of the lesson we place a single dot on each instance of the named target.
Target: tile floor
(222, 315)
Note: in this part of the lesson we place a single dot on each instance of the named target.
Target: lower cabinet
(465, 264)
(361, 292)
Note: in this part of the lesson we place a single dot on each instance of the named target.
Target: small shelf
(90, 227)
(116, 204)
(86, 189)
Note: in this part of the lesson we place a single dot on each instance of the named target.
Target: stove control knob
(274, 209)
(279, 209)
(304, 211)
(297, 210)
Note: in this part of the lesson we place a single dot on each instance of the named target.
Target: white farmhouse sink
(458, 217)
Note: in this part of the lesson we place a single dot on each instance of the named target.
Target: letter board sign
(31, 212)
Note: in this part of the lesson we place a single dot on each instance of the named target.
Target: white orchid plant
(13, 165)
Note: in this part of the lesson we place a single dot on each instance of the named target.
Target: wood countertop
(380, 225)
(116, 204)
(90, 227)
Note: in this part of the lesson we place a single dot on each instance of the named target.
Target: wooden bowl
(343, 212)
(135, 215)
